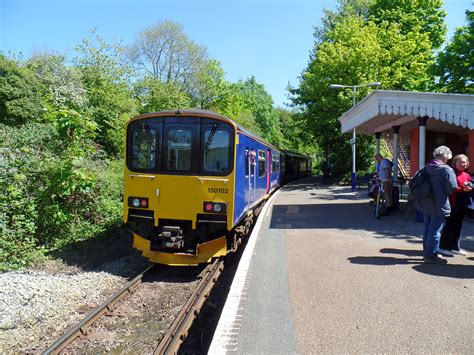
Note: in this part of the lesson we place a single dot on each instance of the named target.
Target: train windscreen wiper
(210, 138)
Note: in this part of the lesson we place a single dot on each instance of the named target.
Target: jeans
(432, 234)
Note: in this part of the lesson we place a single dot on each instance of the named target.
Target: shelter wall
(458, 143)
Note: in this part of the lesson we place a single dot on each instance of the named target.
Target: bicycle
(379, 197)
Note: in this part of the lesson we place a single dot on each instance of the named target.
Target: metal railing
(403, 159)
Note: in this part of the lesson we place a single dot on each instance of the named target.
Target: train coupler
(171, 238)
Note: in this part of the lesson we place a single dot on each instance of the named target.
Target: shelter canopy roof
(382, 109)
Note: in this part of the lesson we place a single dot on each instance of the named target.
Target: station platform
(321, 275)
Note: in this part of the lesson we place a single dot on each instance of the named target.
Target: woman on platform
(450, 242)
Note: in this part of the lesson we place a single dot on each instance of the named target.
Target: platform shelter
(426, 120)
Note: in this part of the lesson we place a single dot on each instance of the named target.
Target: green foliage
(155, 95)
(419, 16)
(24, 161)
(365, 41)
(209, 86)
(84, 198)
(63, 83)
(167, 53)
(52, 197)
(260, 104)
(21, 95)
(106, 80)
(455, 65)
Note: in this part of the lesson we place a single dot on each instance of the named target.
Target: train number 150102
(218, 190)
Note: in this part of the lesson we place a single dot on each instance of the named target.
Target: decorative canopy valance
(381, 110)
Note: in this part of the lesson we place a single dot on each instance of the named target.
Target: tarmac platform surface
(321, 275)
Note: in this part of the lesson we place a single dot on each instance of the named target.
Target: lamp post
(353, 140)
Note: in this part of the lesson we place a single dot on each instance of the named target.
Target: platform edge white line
(225, 335)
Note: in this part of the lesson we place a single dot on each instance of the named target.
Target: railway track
(178, 331)
(81, 329)
(175, 334)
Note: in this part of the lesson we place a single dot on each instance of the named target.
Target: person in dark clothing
(436, 207)
(384, 170)
(325, 167)
(450, 242)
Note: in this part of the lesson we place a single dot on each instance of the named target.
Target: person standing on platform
(450, 242)
(384, 170)
(436, 207)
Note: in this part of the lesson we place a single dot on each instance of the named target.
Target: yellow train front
(192, 177)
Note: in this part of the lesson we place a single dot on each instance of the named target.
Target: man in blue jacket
(436, 207)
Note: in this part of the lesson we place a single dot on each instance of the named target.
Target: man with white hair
(436, 207)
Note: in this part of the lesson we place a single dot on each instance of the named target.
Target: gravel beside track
(38, 306)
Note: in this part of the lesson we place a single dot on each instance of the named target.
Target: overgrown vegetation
(62, 119)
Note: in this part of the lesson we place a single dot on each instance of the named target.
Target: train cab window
(261, 163)
(275, 163)
(216, 149)
(144, 141)
(178, 148)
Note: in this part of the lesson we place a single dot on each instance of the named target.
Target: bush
(24, 163)
(52, 198)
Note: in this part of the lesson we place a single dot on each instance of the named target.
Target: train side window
(179, 149)
(275, 163)
(144, 145)
(261, 163)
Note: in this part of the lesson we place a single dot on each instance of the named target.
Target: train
(194, 182)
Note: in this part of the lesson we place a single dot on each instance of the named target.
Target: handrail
(202, 179)
(142, 176)
(403, 162)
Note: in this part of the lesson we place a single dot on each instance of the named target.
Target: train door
(269, 170)
(251, 162)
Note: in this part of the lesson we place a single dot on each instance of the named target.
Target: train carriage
(193, 181)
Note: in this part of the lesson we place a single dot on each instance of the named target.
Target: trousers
(451, 235)
(432, 234)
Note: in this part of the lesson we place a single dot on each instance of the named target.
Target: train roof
(206, 113)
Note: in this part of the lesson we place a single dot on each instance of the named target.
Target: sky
(269, 39)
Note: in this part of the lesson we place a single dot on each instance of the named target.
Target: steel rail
(81, 328)
(178, 331)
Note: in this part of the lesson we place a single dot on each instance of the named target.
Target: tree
(63, 82)
(106, 80)
(155, 95)
(455, 65)
(22, 97)
(167, 53)
(208, 85)
(362, 43)
(422, 16)
(260, 104)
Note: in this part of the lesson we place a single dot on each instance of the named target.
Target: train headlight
(138, 202)
(215, 207)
